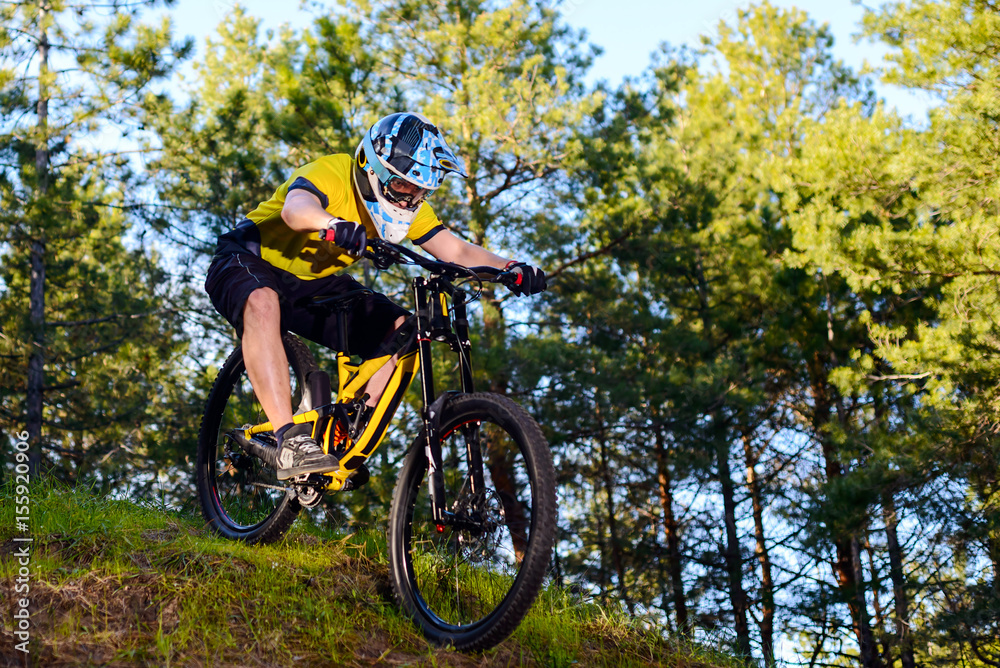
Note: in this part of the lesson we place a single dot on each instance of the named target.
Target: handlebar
(385, 254)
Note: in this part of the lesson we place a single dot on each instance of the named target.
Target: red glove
(530, 280)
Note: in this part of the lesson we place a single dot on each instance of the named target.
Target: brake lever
(382, 256)
(507, 278)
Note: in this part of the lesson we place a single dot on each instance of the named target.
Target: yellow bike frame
(352, 379)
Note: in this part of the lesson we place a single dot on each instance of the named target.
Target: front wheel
(470, 581)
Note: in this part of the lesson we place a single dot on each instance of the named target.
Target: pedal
(308, 479)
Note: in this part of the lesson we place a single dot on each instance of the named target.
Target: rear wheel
(241, 497)
(469, 582)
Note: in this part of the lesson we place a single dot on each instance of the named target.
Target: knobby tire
(235, 501)
(471, 589)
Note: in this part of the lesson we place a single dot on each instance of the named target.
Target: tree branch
(901, 376)
(94, 321)
(587, 256)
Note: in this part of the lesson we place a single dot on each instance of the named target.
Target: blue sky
(628, 30)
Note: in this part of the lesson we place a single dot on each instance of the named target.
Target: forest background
(768, 359)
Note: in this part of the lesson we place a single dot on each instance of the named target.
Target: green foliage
(216, 156)
(767, 362)
(81, 299)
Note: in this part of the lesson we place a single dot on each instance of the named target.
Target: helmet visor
(402, 193)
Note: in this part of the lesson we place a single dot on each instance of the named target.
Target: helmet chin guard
(400, 161)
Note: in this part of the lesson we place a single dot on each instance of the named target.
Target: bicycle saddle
(343, 302)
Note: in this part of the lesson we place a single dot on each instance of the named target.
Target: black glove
(349, 236)
(530, 280)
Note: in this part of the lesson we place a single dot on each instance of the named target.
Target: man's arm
(446, 246)
(303, 212)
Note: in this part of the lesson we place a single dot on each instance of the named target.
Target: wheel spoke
(462, 575)
(240, 494)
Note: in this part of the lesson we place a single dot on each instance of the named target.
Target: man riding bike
(273, 262)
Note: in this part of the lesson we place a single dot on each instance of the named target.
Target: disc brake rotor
(487, 511)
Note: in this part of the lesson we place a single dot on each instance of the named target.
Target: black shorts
(235, 273)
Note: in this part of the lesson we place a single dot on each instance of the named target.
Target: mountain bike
(472, 518)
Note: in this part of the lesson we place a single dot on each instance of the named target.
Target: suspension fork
(433, 406)
(473, 451)
(431, 412)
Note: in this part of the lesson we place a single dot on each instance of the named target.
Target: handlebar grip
(507, 278)
(495, 275)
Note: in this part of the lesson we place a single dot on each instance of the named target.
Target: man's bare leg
(264, 355)
(376, 384)
(267, 366)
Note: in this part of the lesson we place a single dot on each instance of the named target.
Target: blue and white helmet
(401, 159)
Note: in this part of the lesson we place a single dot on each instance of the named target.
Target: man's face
(401, 192)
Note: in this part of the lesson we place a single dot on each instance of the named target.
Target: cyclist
(273, 261)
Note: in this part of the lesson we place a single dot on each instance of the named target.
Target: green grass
(119, 584)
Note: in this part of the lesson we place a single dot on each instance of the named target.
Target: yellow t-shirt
(302, 253)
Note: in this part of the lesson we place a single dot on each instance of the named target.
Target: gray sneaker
(300, 454)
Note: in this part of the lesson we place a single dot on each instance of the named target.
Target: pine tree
(907, 216)
(89, 329)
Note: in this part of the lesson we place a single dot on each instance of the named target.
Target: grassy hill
(118, 584)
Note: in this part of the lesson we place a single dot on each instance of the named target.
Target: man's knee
(262, 306)
(402, 339)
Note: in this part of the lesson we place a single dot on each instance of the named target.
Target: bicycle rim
(245, 493)
(471, 583)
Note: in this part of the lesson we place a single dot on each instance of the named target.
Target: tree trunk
(763, 557)
(602, 572)
(731, 553)
(34, 400)
(849, 580)
(616, 548)
(870, 657)
(846, 567)
(904, 638)
(876, 581)
(673, 538)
